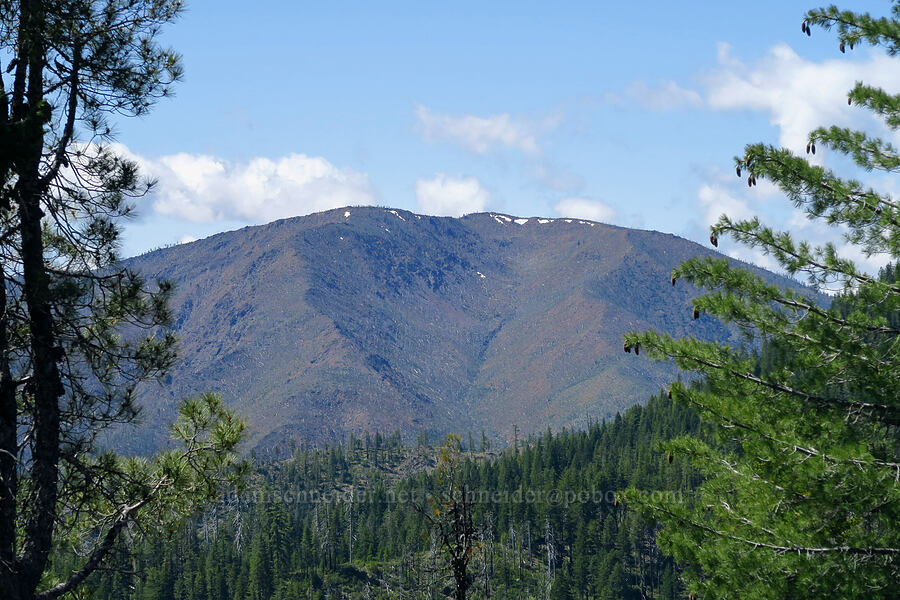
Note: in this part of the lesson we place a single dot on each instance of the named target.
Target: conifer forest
(230, 371)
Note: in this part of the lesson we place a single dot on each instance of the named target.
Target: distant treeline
(343, 522)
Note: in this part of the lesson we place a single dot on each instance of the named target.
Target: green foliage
(800, 497)
(164, 489)
(298, 519)
(78, 331)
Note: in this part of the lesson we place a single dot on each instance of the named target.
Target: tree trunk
(461, 577)
(47, 385)
(9, 482)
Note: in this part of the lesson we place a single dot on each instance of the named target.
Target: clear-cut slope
(369, 319)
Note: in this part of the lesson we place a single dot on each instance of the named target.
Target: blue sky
(628, 113)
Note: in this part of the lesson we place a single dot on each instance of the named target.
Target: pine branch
(678, 390)
(793, 549)
(854, 28)
(100, 552)
(666, 347)
(717, 273)
(868, 153)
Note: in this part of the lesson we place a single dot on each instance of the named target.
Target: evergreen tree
(260, 577)
(261, 548)
(78, 332)
(801, 497)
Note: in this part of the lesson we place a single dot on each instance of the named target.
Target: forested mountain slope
(293, 533)
(370, 319)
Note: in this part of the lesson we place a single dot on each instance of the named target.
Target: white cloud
(798, 95)
(667, 95)
(719, 195)
(724, 194)
(186, 239)
(585, 208)
(716, 200)
(481, 134)
(207, 189)
(451, 196)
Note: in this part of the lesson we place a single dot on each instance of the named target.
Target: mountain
(370, 319)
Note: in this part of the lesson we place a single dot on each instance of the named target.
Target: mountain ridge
(363, 318)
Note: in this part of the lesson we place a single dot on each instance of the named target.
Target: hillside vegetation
(292, 534)
(370, 319)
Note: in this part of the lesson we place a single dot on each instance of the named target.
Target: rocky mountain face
(370, 319)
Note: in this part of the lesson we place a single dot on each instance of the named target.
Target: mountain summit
(373, 319)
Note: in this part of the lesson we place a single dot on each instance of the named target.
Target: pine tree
(78, 332)
(260, 578)
(801, 497)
